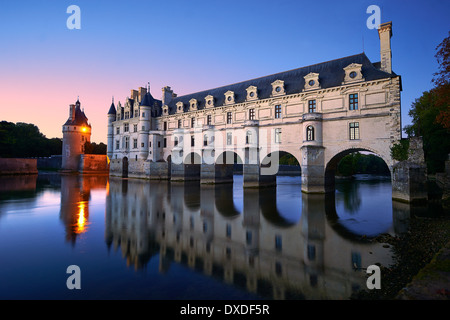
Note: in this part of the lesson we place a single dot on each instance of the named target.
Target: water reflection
(75, 197)
(307, 255)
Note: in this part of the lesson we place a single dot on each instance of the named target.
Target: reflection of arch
(268, 205)
(334, 223)
(224, 200)
(331, 166)
(169, 166)
(192, 195)
(125, 167)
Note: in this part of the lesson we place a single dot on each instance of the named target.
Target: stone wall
(18, 166)
(93, 163)
(53, 162)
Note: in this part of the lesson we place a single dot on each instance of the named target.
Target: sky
(192, 46)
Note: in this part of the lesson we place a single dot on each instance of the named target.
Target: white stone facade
(317, 113)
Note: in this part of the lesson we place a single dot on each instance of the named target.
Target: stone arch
(266, 161)
(192, 158)
(332, 163)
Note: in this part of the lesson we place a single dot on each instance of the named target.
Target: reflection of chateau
(75, 197)
(256, 249)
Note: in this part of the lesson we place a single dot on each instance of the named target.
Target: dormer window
(229, 97)
(165, 110)
(209, 101)
(278, 88)
(353, 73)
(193, 104)
(312, 81)
(179, 107)
(252, 93)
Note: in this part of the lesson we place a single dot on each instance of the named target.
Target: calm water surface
(135, 239)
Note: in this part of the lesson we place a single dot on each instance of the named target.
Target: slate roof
(80, 118)
(149, 101)
(112, 109)
(331, 74)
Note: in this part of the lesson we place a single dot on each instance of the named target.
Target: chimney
(134, 94)
(385, 34)
(167, 95)
(72, 112)
(142, 92)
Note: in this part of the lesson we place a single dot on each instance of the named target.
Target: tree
(431, 114)
(94, 148)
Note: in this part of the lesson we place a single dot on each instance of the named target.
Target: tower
(144, 124)
(111, 119)
(76, 132)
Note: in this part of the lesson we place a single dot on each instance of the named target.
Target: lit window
(353, 102)
(354, 130)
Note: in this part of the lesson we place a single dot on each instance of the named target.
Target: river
(140, 239)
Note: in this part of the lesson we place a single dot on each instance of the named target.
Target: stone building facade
(317, 113)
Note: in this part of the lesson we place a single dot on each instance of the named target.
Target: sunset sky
(192, 46)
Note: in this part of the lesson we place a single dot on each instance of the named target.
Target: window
(311, 252)
(228, 231)
(142, 144)
(278, 135)
(159, 144)
(175, 142)
(134, 143)
(353, 101)
(179, 123)
(192, 141)
(136, 113)
(134, 127)
(356, 260)
(117, 130)
(143, 128)
(117, 144)
(251, 114)
(277, 111)
(310, 133)
(248, 237)
(143, 114)
(125, 127)
(205, 140)
(165, 143)
(229, 118)
(127, 114)
(354, 130)
(248, 137)
(165, 126)
(192, 122)
(229, 139)
(312, 106)
(278, 243)
(126, 143)
(208, 119)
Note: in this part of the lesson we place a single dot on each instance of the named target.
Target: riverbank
(421, 270)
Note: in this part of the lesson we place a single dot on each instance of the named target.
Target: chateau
(317, 113)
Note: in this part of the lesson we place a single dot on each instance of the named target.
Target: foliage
(94, 148)
(399, 151)
(288, 159)
(362, 163)
(431, 114)
(22, 140)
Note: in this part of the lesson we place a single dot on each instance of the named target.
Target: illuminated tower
(76, 132)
